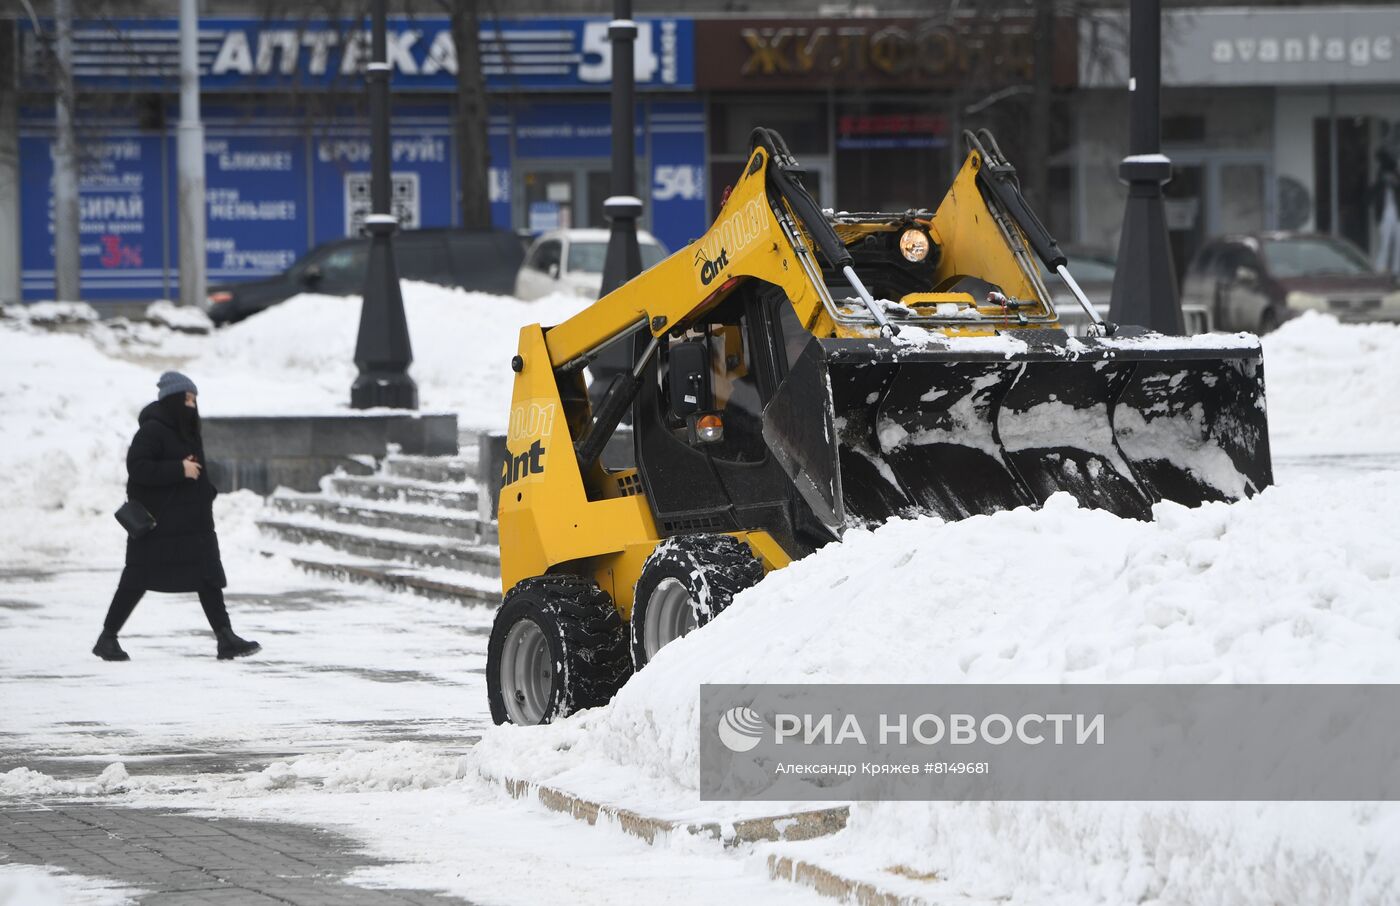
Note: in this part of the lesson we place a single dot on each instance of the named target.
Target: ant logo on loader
(527, 421)
(711, 269)
(527, 463)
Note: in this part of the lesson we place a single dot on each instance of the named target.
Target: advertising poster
(120, 192)
(257, 212)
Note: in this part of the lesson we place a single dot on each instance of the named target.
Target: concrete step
(446, 469)
(405, 490)
(398, 517)
(384, 545)
(400, 578)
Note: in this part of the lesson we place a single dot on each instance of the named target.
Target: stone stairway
(413, 525)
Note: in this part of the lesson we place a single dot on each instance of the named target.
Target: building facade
(1273, 117)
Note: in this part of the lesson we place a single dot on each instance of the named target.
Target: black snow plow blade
(872, 429)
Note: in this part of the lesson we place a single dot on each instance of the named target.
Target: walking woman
(165, 470)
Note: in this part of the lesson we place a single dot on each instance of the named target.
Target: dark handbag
(136, 519)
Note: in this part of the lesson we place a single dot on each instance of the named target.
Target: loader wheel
(557, 646)
(685, 583)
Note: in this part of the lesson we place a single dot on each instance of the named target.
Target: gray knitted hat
(173, 382)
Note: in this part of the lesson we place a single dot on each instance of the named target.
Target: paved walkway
(178, 859)
(342, 668)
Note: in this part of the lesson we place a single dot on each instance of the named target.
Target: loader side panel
(546, 518)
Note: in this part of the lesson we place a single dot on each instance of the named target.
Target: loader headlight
(1301, 301)
(914, 245)
(709, 429)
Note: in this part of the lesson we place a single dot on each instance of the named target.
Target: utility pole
(190, 163)
(67, 260)
(623, 208)
(1144, 285)
(382, 350)
(11, 288)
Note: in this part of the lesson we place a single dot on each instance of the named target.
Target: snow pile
(29, 783)
(298, 357)
(1331, 386)
(178, 317)
(43, 885)
(1298, 585)
(400, 766)
(73, 385)
(69, 411)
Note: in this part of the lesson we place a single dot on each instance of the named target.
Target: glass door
(550, 200)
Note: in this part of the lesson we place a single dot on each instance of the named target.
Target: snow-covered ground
(28, 885)
(359, 712)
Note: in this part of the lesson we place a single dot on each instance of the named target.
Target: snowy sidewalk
(178, 860)
(340, 666)
(350, 725)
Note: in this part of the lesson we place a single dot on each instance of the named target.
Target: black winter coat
(182, 552)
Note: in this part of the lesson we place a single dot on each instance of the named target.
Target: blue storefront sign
(281, 179)
(677, 132)
(247, 54)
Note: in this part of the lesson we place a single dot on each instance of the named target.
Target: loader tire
(557, 646)
(685, 583)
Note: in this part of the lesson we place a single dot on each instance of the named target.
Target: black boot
(108, 649)
(231, 646)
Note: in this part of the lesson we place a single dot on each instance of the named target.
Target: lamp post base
(382, 351)
(1144, 283)
(383, 390)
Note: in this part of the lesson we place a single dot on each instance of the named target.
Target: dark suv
(1256, 282)
(481, 260)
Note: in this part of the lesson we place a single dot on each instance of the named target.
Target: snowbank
(73, 384)
(31, 784)
(1331, 386)
(299, 356)
(1297, 585)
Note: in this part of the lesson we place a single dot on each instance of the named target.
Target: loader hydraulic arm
(760, 233)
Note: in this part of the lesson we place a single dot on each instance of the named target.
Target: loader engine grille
(629, 485)
(692, 524)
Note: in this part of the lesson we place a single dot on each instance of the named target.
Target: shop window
(1353, 178)
(891, 157)
(1188, 129)
(803, 126)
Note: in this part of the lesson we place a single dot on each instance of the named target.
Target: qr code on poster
(404, 201)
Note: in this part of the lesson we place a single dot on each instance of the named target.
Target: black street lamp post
(624, 208)
(382, 350)
(1144, 285)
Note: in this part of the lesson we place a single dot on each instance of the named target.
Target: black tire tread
(726, 563)
(596, 657)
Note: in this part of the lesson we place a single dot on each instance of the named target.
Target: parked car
(1256, 282)
(480, 260)
(571, 261)
(1093, 269)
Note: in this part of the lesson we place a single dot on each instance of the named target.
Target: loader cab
(698, 421)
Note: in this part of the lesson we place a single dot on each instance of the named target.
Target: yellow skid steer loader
(797, 372)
